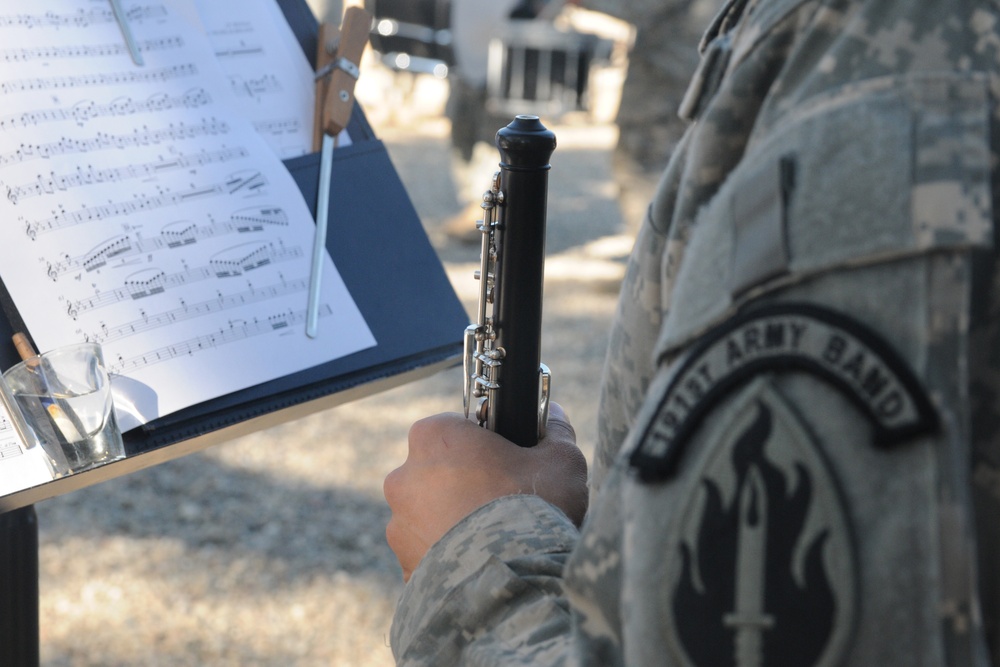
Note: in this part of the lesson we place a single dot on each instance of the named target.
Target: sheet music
(22, 466)
(269, 74)
(142, 212)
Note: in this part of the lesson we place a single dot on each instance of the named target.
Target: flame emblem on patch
(763, 570)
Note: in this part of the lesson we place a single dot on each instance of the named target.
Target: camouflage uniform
(798, 461)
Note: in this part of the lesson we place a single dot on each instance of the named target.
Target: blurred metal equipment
(413, 35)
(537, 68)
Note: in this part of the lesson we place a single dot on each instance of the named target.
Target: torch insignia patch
(761, 565)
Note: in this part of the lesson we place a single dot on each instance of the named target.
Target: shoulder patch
(761, 557)
(777, 338)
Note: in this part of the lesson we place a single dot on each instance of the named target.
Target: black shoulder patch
(759, 560)
(785, 337)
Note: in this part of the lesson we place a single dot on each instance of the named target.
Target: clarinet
(503, 371)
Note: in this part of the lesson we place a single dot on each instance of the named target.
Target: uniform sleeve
(490, 591)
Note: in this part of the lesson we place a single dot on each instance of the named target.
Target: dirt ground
(270, 550)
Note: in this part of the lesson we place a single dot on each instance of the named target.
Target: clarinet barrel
(525, 147)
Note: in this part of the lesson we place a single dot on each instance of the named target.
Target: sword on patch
(750, 619)
(335, 87)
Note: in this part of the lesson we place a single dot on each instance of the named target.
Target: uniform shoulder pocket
(872, 172)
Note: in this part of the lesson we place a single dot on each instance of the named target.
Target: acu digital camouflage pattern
(843, 157)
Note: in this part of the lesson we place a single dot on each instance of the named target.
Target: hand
(454, 467)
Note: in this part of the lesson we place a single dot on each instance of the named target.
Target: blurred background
(270, 550)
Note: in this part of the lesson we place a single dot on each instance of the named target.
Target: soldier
(797, 462)
(474, 23)
(659, 67)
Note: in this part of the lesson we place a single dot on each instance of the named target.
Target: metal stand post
(19, 631)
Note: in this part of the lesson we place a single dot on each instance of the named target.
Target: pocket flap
(873, 172)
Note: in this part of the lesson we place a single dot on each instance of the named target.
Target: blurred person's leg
(659, 68)
(473, 156)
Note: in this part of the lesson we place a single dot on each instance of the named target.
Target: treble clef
(53, 272)
(31, 230)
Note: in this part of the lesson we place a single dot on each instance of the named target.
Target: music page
(269, 74)
(22, 465)
(141, 211)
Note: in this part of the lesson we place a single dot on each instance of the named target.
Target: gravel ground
(270, 550)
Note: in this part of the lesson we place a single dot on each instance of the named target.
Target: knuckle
(390, 534)
(391, 486)
(425, 432)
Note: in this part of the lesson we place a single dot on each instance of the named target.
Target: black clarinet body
(504, 370)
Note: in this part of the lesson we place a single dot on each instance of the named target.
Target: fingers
(559, 427)
(401, 542)
(454, 467)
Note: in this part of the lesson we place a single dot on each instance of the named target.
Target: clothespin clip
(133, 48)
(335, 81)
(328, 43)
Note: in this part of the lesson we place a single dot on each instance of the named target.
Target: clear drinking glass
(65, 398)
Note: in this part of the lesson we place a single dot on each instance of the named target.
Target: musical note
(179, 234)
(79, 19)
(256, 86)
(9, 447)
(240, 51)
(82, 177)
(87, 110)
(279, 126)
(145, 283)
(148, 322)
(255, 53)
(126, 77)
(155, 220)
(50, 52)
(143, 136)
(150, 281)
(237, 260)
(97, 258)
(174, 235)
(248, 180)
(236, 330)
(255, 219)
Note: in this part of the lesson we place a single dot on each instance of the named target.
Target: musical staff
(9, 446)
(82, 177)
(221, 303)
(256, 86)
(236, 261)
(239, 51)
(121, 246)
(256, 218)
(155, 219)
(141, 136)
(151, 281)
(78, 19)
(87, 110)
(85, 50)
(237, 330)
(174, 235)
(263, 61)
(246, 181)
(278, 126)
(127, 77)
